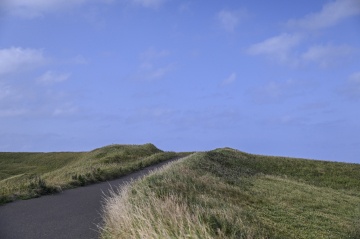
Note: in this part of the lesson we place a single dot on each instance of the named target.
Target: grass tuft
(226, 193)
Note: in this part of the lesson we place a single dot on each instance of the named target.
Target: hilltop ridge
(27, 175)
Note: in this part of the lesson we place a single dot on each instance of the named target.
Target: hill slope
(226, 193)
(26, 175)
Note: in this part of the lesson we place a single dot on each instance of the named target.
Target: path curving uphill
(74, 213)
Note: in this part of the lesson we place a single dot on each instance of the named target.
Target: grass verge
(28, 175)
(226, 193)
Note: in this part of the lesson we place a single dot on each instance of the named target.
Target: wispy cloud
(331, 14)
(65, 110)
(11, 100)
(278, 47)
(27, 95)
(150, 71)
(78, 60)
(230, 20)
(153, 54)
(15, 59)
(288, 49)
(293, 48)
(6, 91)
(153, 65)
(28, 99)
(209, 118)
(278, 91)
(328, 55)
(50, 77)
(184, 7)
(37, 104)
(37, 8)
(351, 88)
(153, 114)
(229, 80)
(7, 113)
(148, 3)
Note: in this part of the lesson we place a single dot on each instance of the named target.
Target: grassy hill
(27, 175)
(226, 193)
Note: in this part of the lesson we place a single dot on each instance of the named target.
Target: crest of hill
(26, 175)
(335, 175)
(141, 150)
(226, 193)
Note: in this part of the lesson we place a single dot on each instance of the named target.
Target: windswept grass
(226, 193)
(27, 175)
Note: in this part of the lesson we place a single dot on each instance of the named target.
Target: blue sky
(265, 77)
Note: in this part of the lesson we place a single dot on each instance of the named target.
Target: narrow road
(72, 214)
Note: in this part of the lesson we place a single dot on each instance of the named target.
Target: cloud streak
(51, 77)
(351, 88)
(291, 49)
(152, 66)
(327, 55)
(331, 14)
(36, 8)
(230, 80)
(288, 49)
(15, 58)
(278, 47)
(148, 3)
(230, 20)
(278, 91)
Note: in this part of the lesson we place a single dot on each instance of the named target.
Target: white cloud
(289, 48)
(355, 77)
(278, 91)
(24, 97)
(231, 79)
(148, 3)
(229, 19)
(352, 86)
(185, 7)
(158, 73)
(154, 65)
(154, 115)
(37, 8)
(12, 112)
(27, 99)
(16, 59)
(278, 47)
(286, 49)
(152, 54)
(9, 94)
(65, 110)
(331, 14)
(78, 60)
(52, 77)
(150, 71)
(327, 55)
(5, 91)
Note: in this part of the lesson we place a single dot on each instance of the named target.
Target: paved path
(72, 214)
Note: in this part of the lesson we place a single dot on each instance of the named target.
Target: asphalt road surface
(72, 214)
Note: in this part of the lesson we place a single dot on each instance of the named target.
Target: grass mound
(121, 153)
(27, 175)
(226, 193)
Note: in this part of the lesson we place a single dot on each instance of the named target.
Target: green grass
(226, 193)
(28, 175)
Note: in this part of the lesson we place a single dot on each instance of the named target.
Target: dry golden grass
(152, 218)
(27, 175)
(138, 211)
(225, 193)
